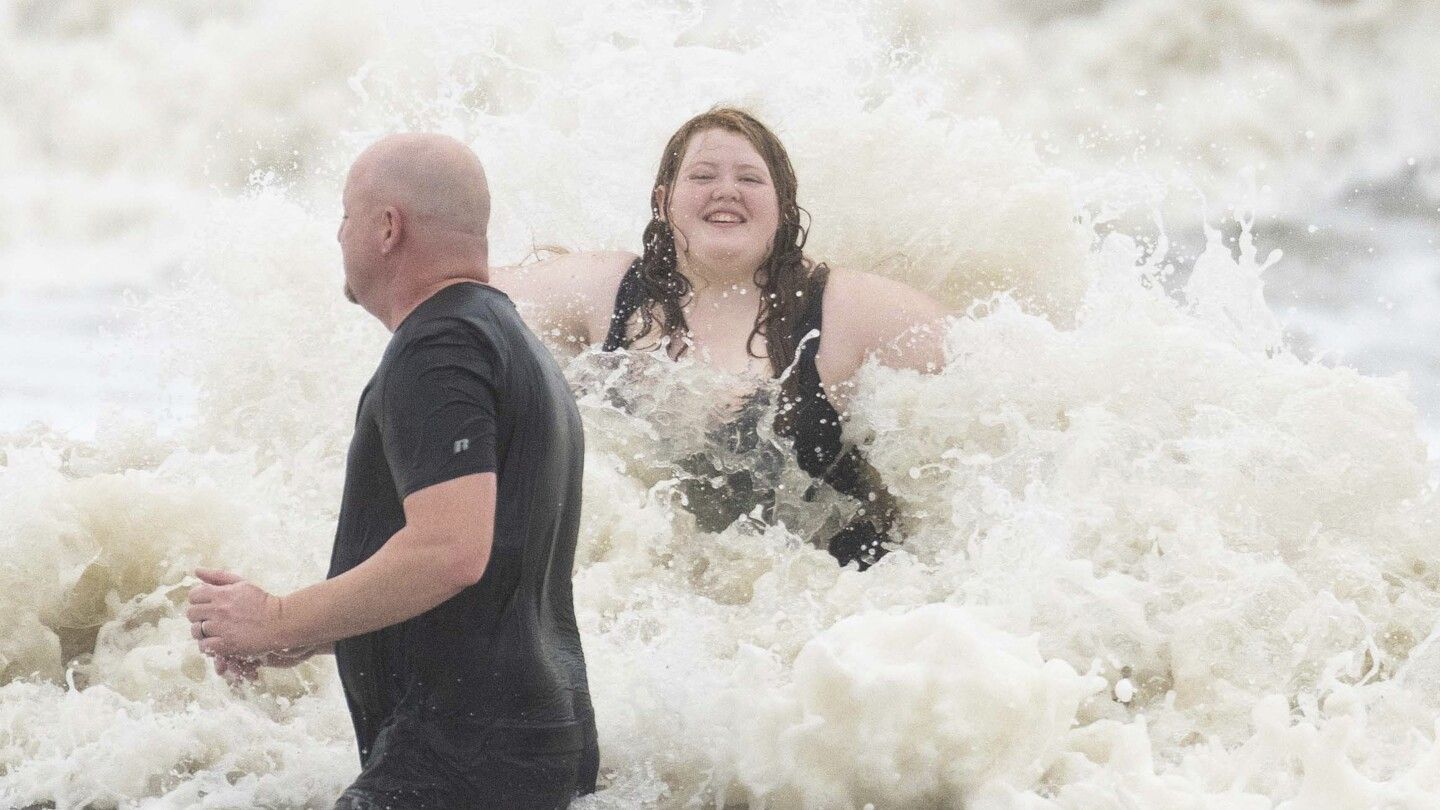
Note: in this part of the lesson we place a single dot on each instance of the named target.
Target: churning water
(1170, 536)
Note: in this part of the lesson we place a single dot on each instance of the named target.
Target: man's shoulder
(469, 330)
(436, 330)
(467, 311)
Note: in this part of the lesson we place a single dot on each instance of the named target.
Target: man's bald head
(434, 180)
(416, 211)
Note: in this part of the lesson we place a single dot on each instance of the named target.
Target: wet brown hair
(784, 272)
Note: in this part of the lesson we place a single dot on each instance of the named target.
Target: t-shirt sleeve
(438, 420)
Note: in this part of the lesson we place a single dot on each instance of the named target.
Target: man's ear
(658, 199)
(394, 230)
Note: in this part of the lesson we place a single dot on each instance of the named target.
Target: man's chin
(350, 295)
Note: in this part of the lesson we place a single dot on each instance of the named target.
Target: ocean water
(1169, 516)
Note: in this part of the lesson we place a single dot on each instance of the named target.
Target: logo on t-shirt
(461, 445)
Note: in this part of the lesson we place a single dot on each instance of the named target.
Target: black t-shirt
(464, 387)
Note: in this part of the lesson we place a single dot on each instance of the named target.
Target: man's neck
(413, 288)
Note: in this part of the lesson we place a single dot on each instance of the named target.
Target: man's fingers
(234, 669)
(200, 594)
(216, 576)
(199, 613)
(195, 631)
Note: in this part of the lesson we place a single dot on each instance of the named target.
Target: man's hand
(235, 668)
(233, 618)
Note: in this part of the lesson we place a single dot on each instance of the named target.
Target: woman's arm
(567, 298)
(912, 333)
(866, 314)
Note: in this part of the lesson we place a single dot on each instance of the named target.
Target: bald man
(448, 604)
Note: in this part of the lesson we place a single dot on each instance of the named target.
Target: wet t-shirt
(463, 388)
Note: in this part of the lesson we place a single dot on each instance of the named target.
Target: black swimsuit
(806, 417)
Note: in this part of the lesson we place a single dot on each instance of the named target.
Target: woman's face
(722, 204)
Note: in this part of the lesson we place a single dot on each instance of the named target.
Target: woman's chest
(731, 346)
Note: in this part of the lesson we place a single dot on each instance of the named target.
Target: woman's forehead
(722, 146)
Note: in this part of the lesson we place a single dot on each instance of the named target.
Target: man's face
(356, 259)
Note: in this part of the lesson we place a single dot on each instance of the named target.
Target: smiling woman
(722, 206)
(724, 273)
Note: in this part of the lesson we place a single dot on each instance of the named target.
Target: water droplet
(1124, 690)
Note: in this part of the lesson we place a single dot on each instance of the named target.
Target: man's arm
(443, 549)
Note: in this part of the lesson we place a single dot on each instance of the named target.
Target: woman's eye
(750, 180)
(702, 177)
